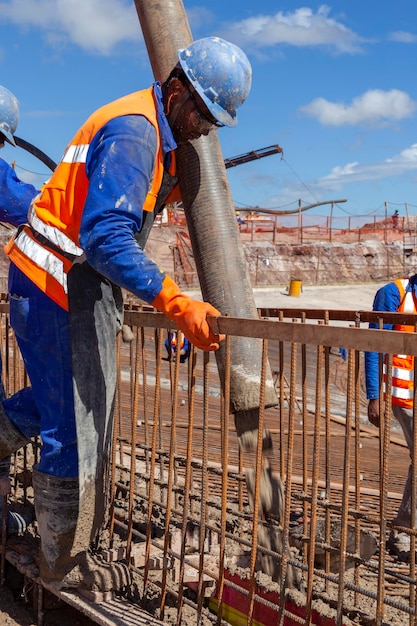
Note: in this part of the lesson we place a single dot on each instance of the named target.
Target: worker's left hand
(192, 320)
(5, 486)
(373, 412)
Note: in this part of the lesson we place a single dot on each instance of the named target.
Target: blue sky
(335, 85)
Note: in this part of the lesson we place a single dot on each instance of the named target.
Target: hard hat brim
(8, 136)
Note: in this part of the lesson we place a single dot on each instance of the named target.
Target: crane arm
(253, 155)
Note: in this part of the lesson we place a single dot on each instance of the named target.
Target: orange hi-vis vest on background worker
(45, 249)
(403, 364)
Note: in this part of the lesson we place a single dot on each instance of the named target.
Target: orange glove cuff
(164, 301)
(189, 315)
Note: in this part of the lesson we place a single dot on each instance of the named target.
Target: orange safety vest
(173, 342)
(403, 364)
(46, 249)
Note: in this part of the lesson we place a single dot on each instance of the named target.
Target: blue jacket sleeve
(15, 196)
(386, 299)
(119, 167)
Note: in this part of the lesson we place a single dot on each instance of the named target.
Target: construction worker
(15, 196)
(184, 346)
(397, 296)
(85, 240)
(15, 199)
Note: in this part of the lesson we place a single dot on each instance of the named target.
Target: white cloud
(94, 25)
(403, 37)
(334, 183)
(302, 28)
(399, 164)
(373, 107)
(99, 25)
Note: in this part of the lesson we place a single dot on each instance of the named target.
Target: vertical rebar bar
(154, 448)
(204, 480)
(385, 432)
(285, 522)
(224, 479)
(346, 482)
(314, 483)
(257, 488)
(187, 484)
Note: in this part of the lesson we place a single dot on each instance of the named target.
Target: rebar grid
(180, 513)
(332, 482)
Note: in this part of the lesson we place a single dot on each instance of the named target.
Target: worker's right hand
(373, 412)
(5, 486)
(189, 315)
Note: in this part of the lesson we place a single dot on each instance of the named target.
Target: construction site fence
(200, 548)
(300, 227)
(277, 260)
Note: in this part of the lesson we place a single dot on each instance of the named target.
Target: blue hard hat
(9, 114)
(220, 73)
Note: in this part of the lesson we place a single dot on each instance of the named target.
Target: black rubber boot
(11, 439)
(65, 560)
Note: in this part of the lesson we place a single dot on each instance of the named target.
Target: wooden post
(331, 220)
(275, 222)
(408, 218)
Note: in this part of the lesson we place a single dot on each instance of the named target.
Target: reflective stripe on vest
(400, 373)
(401, 394)
(32, 249)
(54, 235)
(48, 271)
(76, 154)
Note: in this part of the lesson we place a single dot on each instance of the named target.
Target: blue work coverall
(388, 298)
(15, 199)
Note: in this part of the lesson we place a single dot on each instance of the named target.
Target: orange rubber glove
(189, 315)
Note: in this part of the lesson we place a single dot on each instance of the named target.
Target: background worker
(184, 346)
(15, 198)
(84, 242)
(397, 296)
(15, 195)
